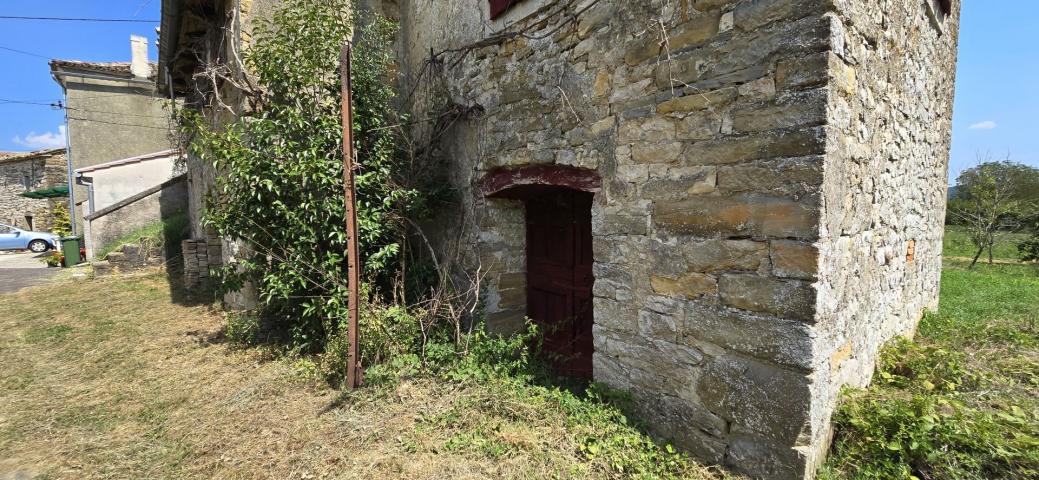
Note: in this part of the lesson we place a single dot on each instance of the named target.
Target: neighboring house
(112, 111)
(28, 172)
(738, 201)
(118, 196)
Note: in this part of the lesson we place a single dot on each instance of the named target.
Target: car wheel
(39, 246)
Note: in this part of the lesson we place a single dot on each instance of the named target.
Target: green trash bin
(70, 248)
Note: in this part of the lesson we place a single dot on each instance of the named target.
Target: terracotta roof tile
(8, 157)
(121, 69)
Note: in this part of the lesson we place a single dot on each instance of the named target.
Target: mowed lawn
(107, 379)
(957, 244)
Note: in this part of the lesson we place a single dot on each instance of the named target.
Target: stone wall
(884, 188)
(141, 254)
(42, 169)
(742, 269)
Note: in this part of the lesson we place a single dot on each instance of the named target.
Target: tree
(1029, 248)
(992, 199)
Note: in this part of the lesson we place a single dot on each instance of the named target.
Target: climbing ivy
(280, 188)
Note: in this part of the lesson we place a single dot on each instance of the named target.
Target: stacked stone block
(772, 201)
(200, 255)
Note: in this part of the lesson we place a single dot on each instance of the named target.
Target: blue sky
(997, 80)
(27, 78)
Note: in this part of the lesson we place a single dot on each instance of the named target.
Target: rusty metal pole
(353, 373)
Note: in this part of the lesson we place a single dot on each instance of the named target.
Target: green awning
(51, 192)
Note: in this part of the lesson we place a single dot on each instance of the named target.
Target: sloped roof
(117, 69)
(11, 157)
(124, 161)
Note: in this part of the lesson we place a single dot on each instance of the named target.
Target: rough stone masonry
(771, 200)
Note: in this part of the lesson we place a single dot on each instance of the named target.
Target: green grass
(128, 384)
(173, 228)
(989, 305)
(957, 244)
(963, 400)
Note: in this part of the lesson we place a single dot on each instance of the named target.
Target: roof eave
(169, 33)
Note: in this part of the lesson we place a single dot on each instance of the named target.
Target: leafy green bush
(1029, 247)
(242, 329)
(921, 436)
(924, 368)
(281, 187)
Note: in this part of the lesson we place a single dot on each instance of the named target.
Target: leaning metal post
(353, 367)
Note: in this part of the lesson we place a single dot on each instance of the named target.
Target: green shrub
(281, 187)
(61, 222)
(925, 368)
(928, 415)
(242, 329)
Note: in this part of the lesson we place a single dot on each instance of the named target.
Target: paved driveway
(23, 269)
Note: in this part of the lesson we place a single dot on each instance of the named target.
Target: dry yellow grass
(108, 378)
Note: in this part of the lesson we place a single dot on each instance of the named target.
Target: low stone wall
(157, 203)
(130, 257)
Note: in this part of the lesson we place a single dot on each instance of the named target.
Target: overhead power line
(25, 102)
(94, 120)
(59, 105)
(69, 19)
(23, 52)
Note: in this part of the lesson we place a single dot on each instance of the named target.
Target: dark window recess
(946, 6)
(499, 7)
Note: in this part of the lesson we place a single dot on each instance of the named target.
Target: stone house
(27, 172)
(113, 111)
(725, 207)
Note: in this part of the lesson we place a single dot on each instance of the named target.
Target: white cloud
(44, 140)
(986, 125)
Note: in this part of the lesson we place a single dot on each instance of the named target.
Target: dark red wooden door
(559, 277)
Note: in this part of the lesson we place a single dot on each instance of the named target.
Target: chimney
(139, 57)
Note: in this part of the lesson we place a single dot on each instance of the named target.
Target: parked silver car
(14, 238)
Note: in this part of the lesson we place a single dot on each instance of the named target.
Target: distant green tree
(992, 199)
(1030, 248)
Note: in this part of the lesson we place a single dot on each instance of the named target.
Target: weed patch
(963, 401)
